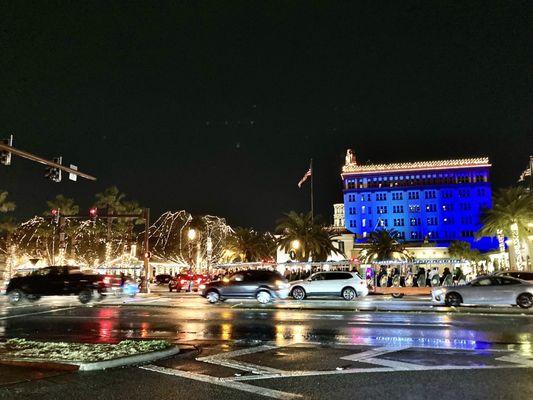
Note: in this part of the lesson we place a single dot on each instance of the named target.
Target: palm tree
(65, 205)
(384, 246)
(7, 225)
(306, 236)
(112, 201)
(247, 244)
(5, 206)
(511, 211)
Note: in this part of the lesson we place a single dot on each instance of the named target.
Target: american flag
(527, 172)
(304, 178)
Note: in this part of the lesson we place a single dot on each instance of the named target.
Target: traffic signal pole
(33, 157)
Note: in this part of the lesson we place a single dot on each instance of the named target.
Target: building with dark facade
(435, 201)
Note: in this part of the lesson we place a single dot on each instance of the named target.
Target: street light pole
(146, 253)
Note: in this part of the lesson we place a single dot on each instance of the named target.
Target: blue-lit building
(437, 201)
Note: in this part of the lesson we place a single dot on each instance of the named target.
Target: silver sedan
(486, 290)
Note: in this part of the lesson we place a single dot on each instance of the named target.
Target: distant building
(432, 201)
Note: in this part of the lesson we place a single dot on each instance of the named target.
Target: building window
(401, 235)
(430, 194)
(382, 209)
(369, 210)
(416, 235)
(432, 221)
(465, 206)
(414, 221)
(350, 184)
(447, 207)
(397, 209)
(464, 193)
(351, 197)
(414, 208)
(447, 220)
(433, 234)
(466, 220)
(363, 222)
(431, 208)
(381, 196)
(364, 234)
(467, 234)
(352, 223)
(352, 210)
(363, 209)
(397, 196)
(383, 222)
(447, 194)
(413, 195)
(481, 192)
(398, 222)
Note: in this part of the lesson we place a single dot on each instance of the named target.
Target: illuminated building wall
(439, 201)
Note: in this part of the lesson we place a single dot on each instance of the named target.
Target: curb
(448, 310)
(92, 366)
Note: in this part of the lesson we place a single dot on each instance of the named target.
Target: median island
(86, 356)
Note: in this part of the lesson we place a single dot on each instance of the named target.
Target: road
(314, 350)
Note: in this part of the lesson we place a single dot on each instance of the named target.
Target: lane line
(37, 313)
(406, 325)
(275, 394)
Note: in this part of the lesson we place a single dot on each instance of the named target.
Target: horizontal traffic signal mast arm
(33, 157)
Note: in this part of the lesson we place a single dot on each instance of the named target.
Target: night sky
(217, 107)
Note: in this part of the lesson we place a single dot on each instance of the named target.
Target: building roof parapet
(416, 166)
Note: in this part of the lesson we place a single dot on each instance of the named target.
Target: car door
(507, 290)
(235, 286)
(336, 281)
(318, 285)
(478, 292)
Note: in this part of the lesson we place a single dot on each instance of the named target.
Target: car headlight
(282, 285)
(201, 287)
(439, 292)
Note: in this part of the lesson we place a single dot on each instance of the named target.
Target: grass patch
(81, 352)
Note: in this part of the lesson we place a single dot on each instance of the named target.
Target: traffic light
(5, 156)
(55, 215)
(93, 212)
(52, 173)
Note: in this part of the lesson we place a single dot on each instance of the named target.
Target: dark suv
(261, 285)
(54, 281)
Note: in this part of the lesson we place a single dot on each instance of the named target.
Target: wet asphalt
(311, 351)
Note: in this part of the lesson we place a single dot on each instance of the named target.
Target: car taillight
(183, 281)
(107, 280)
(199, 280)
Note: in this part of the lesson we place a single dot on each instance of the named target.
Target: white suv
(347, 285)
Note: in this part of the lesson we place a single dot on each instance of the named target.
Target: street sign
(71, 176)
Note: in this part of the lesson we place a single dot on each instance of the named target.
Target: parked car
(262, 285)
(347, 285)
(162, 279)
(55, 281)
(525, 276)
(186, 283)
(120, 285)
(489, 290)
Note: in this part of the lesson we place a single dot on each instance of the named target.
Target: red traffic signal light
(93, 212)
(54, 211)
(55, 215)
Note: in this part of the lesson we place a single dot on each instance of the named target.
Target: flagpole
(312, 193)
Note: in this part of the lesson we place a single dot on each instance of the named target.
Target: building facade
(433, 201)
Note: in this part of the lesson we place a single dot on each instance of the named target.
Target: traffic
(263, 285)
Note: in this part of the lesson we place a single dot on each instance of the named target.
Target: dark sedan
(261, 285)
(54, 281)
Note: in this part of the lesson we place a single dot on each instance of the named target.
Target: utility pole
(146, 253)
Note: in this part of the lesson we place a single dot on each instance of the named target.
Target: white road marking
(37, 313)
(372, 353)
(404, 325)
(275, 394)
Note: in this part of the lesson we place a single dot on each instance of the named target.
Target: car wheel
(453, 299)
(525, 300)
(212, 296)
(263, 297)
(298, 293)
(15, 296)
(85, 296)
(348, 294)
(32, 297)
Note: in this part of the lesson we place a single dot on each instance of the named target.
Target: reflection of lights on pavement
(226, 331)
(297, 333)
(106, 323)
(144, 329)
